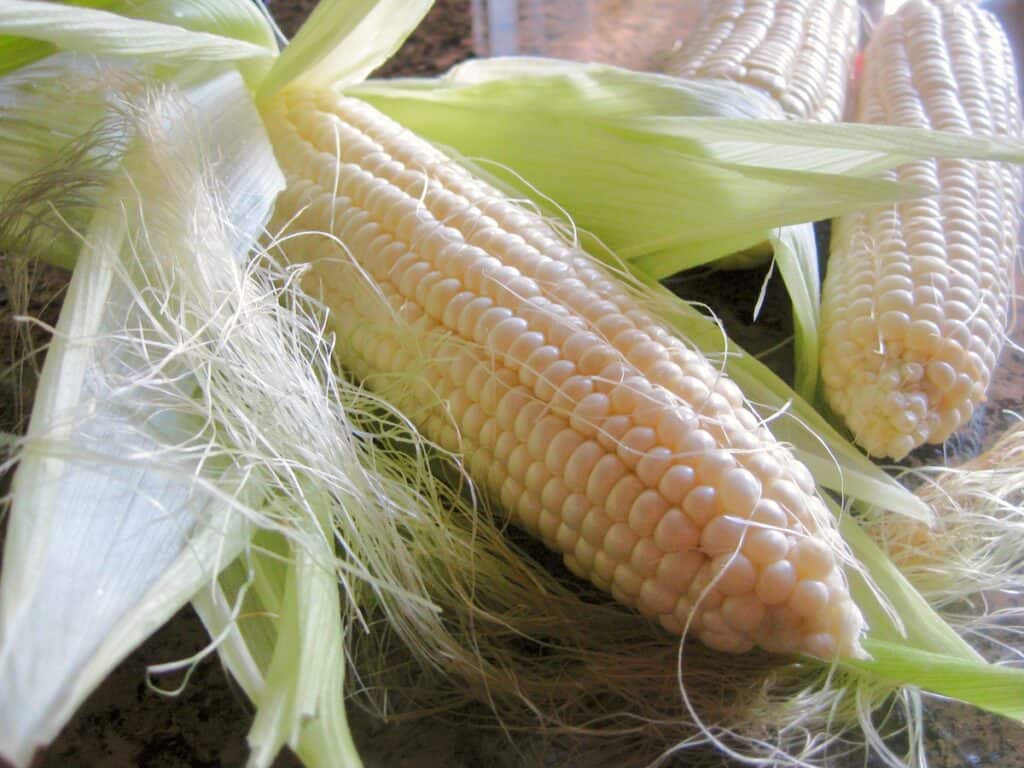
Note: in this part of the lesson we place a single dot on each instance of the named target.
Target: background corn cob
(916, 297)
(799, 51)
(598, 430)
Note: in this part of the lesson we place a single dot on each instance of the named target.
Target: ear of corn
(798, 51)
(916, 297)
(597, 429)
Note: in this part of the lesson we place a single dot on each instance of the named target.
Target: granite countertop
(124, 723)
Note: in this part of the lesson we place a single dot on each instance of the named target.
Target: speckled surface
(125, 723)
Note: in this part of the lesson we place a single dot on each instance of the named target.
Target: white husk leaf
(111, 528)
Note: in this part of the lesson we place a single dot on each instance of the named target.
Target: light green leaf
(801, 145)
(796, 255)
(343, 42)
(47, 105)
(910, 644)
(237, 19)
(906, 618)
(108, 33)
(16, 52)
(60, 138)
(611, 92)
(261, 607)
(651, 167)
(991, 687)
(302, 702)
(241, 607)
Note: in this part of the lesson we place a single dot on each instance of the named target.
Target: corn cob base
(596, 428)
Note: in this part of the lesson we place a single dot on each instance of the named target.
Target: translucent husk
(118, 511)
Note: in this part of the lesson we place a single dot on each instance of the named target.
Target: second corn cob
(597, 429)
(917, 295)
(798, 51)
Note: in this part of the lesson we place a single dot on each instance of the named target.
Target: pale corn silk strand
(916, 296)
(547, 656)
(970, 567)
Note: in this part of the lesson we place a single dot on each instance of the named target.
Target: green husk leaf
(16, 52)
(801, 145)
(795, 251)
(910, 643)
(302, 703)
(611, 92)
(342, 42)
(60, 139)
(991, 687)
(157, 30)
(907, 618)
(47, 105)
(240, 608)
(244, 644)
(656, 177)
(662, 202)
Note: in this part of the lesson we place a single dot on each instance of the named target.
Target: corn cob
(916, 299)
(799, 51)
(596, 428)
